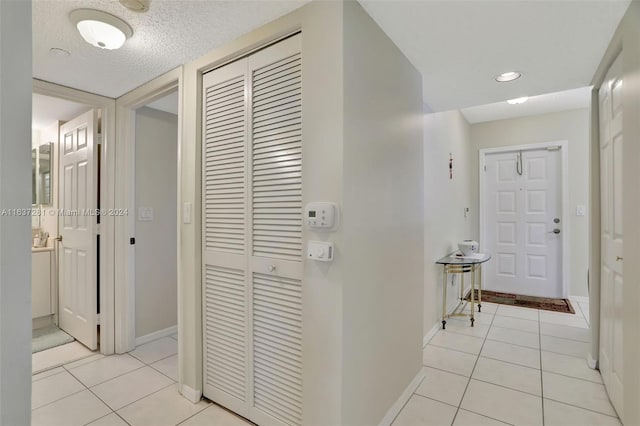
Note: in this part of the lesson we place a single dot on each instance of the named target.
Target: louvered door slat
(276, 158)
(277, 346)
(224, 165)
(225, 349)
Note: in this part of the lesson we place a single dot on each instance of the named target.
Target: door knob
(272, 268)
(618, 258)
(555, 231)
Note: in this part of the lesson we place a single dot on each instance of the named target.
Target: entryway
(522, 192)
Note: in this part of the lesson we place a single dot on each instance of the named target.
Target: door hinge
(132, 240)
(98, 319)
(485, 167)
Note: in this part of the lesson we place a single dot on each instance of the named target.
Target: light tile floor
(517, 366)
(138, 388)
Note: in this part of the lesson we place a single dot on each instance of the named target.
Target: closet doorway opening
(72, 255)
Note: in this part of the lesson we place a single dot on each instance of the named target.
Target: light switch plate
(145, 214)
(580, 211)
(186, 213)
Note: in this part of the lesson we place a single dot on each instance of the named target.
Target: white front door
(522, 219)
(611, 288)
(77, 224)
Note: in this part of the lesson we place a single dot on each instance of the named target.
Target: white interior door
(252, 235)
(611, 282)
(77, 226)
(522, 217)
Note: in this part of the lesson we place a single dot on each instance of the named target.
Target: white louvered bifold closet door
(252, 234)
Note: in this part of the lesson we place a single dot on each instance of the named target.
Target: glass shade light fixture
(101, 29)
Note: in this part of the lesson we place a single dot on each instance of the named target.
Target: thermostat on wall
(321, 216)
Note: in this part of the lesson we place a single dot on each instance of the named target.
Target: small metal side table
(453, 264)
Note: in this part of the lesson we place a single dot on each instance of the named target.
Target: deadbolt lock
(556, 220)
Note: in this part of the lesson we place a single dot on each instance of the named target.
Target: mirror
(44, 174)
(34, 166)
(41, 174)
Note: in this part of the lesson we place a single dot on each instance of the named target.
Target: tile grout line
(573, 377)
(471, 374)
(582, 408)
(59, 399)
(109, 379)
(457, 350)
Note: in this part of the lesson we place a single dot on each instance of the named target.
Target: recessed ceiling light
(58, 51)
(517, 101)
(508, 76)
(101, 29)
(136, 5)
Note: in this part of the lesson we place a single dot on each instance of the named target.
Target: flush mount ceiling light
(508, 76)
(101, 29)
(517, 101)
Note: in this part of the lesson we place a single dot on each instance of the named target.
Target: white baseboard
(156, 335)
(191, 394)
(580, 299)
(430, 334)
(591, 362)
(404, 397)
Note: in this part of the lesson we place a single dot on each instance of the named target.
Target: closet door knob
(272, 268)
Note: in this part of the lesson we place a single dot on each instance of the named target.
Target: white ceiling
(168, 103)
(541, 104)
(47, 110)
(171, 33)
(459, 46)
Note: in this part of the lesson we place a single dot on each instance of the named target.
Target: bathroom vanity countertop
(39, 249)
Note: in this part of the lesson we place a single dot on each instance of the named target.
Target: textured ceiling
(540, 104)
(171, 33)
(459, 46)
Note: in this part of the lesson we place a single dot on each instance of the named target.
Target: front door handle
(555, 231)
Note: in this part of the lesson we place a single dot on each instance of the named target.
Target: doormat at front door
(545, 303)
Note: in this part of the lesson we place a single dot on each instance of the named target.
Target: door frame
(564, 199)
(107, 200)
(125, 288)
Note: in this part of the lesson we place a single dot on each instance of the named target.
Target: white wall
(15, 231)
(571, 126)
(383, 230)
(445, 200)
(156, 241)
